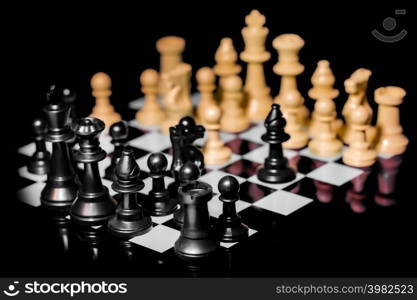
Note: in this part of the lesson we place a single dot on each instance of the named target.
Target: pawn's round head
(359, 115)
(100, 81)
(325, 107)
(149, 77)
(205, 75)
(232, 84)
(119, 130)
(212, 114)
(39, 126)
(189, 172)
(228, 186)
(157, 163)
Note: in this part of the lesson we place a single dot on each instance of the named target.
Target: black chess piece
(275, 168)
(160, 202)
(118, 132)
(39, 162)
(93, 205)
(129, 220)
(60, 190)
(197, 239)
(69, 97)
(230, 227)
(190, 173)
(182, 136)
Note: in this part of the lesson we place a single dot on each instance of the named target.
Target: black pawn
(129, 220)
(189, 173)
(160, 203)
(93, 205)
(230, 227)
(39, 163)
(275, 168)
(118, 132)
(197, 239)
(61, 188)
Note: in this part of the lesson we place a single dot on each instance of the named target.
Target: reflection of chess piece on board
(291, 103)
(387, 179)
(325, 142)
(391, 140)
(103, 110)
(214, 150)
(356, 86)
(226, 66)
(151, 113)
(233, 117)
(171, 107)
(288, 67)
(206, 85)
(254, 35)
(170, 49)
(323, 81)
(359, 153)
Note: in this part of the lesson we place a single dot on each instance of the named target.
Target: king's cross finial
(255, 19)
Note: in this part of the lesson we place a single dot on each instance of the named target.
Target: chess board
(323, 186)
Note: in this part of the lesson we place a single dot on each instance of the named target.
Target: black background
(69, 44)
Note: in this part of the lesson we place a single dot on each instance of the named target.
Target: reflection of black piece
(160, 202)
(93, 237)
(230, 227)
(39, 162)
(189, 173)
(129, 220)
(197, 239)
(93, 205)
(275, 168)
(61, 188)
(118, 132)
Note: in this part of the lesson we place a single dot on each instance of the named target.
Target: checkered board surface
(257, 199)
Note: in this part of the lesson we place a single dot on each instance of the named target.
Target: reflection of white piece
(233, 158)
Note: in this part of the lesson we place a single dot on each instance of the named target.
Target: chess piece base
(359, 158)
(233, 234)
(276, 171)
(160, 204)
(325, 148)
(217, 156)
(234, 126)
(392, 145)
(190, 249)
(150, 118)
(297, 140)
(93, 209)
(128, 224)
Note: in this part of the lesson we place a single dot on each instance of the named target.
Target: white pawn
(214, 150)
(151, 113)
(103, 110)
(359, 154)
(233, 119)
(206, 85)
(325, 142)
